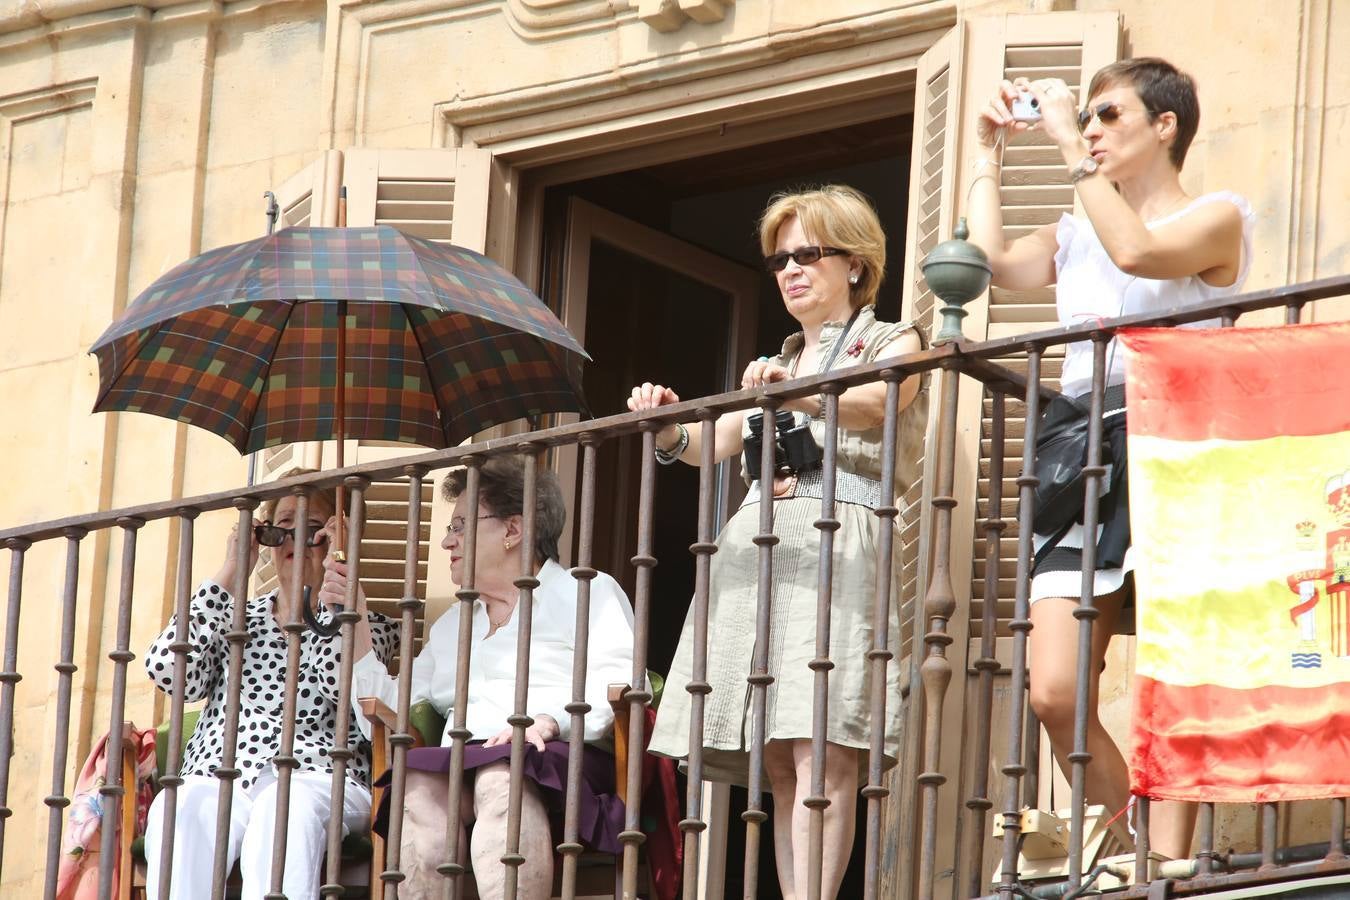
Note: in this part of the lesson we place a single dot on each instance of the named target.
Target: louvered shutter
(309, 197)
(936, 129)
(954, 78)
(385, 539)
(439, 195)
(1035, 191)
(930, 206)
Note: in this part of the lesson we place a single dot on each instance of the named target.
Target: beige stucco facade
(135, 136)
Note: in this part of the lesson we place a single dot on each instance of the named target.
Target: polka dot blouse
(264, 683)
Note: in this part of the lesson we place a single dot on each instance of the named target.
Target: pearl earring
(853, 278)
(506, 544)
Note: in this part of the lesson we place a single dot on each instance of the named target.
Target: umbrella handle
(307, 613)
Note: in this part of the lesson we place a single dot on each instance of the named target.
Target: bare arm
(1028, 262)
(1206, 242)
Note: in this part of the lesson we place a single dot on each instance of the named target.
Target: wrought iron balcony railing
(944, 775)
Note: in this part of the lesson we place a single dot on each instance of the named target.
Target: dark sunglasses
(1108, 113)
(802, 256)
(270, 535)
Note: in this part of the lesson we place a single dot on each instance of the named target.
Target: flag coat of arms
(1239, 455)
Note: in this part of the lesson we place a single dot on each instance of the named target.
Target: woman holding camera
(826, 250)
(1146, 245)
(253, 805)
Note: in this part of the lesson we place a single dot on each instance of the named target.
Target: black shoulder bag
(1061, 454)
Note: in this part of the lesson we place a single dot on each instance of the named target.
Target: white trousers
(252, 823)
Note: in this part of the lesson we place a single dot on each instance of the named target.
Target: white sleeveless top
(1089, 286)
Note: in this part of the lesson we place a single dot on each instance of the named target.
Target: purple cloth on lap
(602, 814)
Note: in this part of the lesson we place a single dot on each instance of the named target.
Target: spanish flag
(1239, 455)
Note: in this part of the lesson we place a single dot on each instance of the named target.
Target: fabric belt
(848, 488)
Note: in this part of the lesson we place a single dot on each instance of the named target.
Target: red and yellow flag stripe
(1239, 446)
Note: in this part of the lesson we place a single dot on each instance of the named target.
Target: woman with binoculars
(254, 801)
(826, 250)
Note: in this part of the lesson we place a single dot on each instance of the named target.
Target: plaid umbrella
(440, 342)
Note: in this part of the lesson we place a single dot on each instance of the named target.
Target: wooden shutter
(955, 77)
(930, 206)
(1035, 191)
(385, 539)
(309, 197)
(439, 195)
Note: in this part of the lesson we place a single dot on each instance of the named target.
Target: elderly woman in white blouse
(500, 560)
(253, 805)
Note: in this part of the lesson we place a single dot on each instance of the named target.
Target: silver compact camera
(1026, 108)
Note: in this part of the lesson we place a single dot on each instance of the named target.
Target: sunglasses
(802, 256)
(1107, 113)
(270, 535)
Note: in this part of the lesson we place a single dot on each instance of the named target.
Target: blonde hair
(317, 497)
(834, 216)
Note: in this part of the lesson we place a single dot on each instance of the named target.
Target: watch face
(1086, 166)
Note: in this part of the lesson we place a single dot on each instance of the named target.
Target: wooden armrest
(378, 712)
(384, 721)
(618, 701)
(126, 831)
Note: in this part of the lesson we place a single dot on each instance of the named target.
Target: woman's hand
(1059, 113)
(545, 728)
(996, 117)
(333, 590)
(652, 396)
(762, 372)
(229, 570)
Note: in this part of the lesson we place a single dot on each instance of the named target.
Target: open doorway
(645, 319)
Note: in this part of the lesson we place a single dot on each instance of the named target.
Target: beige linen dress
(792, 618)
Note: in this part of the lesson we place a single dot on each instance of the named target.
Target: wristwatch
(1085, 167)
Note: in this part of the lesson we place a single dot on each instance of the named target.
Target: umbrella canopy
(440, 342)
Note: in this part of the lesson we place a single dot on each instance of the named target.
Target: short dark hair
(1163, 88)
(501, 488)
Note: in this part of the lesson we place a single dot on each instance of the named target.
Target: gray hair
(501, 488)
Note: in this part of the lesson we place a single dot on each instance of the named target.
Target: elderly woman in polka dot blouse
(253, 808)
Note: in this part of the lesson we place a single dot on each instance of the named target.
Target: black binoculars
(795, 450)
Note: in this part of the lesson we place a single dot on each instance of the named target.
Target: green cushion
(429, 723)
(162, 738)
(657, 681)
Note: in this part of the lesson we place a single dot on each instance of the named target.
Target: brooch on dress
(856, 349)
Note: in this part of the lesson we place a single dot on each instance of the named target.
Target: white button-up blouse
(492, 663)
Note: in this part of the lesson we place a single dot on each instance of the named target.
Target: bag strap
(1051, 543)
(839, 344)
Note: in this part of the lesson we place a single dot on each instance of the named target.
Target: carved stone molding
(894, 36)
(45, 101)
(669, 15)
(25, 106)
